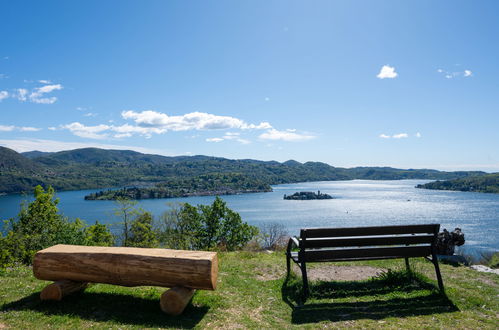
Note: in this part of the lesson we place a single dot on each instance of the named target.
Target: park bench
(363, 243)
(72, 267)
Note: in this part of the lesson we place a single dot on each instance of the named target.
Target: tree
(141, 232)
(125, 209)
(99, 235)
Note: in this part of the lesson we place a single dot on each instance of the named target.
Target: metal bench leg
(305, 279)
(288, 264)
(407, 266)
(437, 270)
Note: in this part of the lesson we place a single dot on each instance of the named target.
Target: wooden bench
(73, 266)
(363, 243)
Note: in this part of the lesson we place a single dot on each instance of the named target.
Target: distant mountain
(35, 153)
(91, 168)
(488, 183)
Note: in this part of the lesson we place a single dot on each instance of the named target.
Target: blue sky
(409, 84)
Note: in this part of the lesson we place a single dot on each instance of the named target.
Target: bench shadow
(370, 304)
(101, 307)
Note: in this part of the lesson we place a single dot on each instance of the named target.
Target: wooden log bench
(363, 243)
(73, 266)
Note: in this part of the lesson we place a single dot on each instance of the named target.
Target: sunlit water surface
(357, 203)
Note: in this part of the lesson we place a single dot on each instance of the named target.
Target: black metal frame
(301, 244)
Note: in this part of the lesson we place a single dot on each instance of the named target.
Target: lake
(357, 203)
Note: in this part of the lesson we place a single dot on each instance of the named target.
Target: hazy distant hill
(488, 183)
(91, 168)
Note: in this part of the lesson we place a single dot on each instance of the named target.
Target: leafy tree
(141, 232)
(205, 227)
(99, 235)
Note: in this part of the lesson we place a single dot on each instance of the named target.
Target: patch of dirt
(3, 326)
(270, 273)
(342, 273)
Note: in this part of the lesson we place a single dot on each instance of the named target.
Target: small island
(307, 195)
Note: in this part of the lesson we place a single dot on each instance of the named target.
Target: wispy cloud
(38, 94)
(10, 128)
(214, 139)
(288, 135)
(387, 72)
(455, 74)
(3, 95)
(397, 136)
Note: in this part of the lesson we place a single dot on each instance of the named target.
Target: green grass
(253, 292)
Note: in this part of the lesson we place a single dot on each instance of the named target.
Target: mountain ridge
(94, 168)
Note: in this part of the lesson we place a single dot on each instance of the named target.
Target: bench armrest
(292, 241)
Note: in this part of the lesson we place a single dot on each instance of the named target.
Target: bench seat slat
(369, 231)
(345, 254)
(368, 241)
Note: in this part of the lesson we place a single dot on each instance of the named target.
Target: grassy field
(253, 293)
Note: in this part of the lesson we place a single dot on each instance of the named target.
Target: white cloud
(21, 94)
(387, 72)
(4, 128)
(44, 81)
(214, 139)
(54, 146)
(29, 129)
(37, 94)
(10, 128)
(455, 74)
(91, 132)
(190, 121)
(418, 135)
(3, 95)
(397, 136)
(273, 134)
(90, 114)
(52, 128)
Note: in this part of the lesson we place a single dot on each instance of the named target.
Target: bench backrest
(380, 242)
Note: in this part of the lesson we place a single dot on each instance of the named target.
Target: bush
(99, 235)
(141, 232)
(205, 227)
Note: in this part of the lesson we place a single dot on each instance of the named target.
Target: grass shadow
(392, 294)
(101, 307)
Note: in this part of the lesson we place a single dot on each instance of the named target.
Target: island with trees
(307, 195)
(488, 183)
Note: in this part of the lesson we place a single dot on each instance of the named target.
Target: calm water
(358, 203)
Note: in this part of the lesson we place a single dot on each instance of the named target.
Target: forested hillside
(484, 183)
(91, 168)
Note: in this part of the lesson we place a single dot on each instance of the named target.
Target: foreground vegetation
(253, 292)
(92, 168)
(484, 183)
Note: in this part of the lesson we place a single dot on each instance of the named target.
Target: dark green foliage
(484, 183)
(205, 227)
(39, 225)
(141, 232)
(209, 184)
(99, 235)
(91, 168)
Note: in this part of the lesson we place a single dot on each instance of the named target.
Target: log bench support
(57, 290)
(72, 267)
(363, 243)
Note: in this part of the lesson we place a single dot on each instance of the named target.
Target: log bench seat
(363, 243)
(73, 266)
